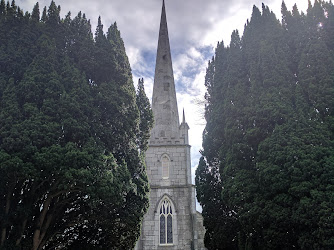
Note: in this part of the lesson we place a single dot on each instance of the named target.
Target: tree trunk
(4, 228)
(3, 236)
(18, 241)
(44, 229)
(37, 233)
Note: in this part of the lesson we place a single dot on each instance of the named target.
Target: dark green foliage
(209, 187)
(72, 139)
(146, 116)
(35, 13)
(266, 179)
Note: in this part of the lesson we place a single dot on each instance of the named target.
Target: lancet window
(166, 222)
(165, 167)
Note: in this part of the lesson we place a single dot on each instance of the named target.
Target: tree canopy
(72, 138)
(266, 178)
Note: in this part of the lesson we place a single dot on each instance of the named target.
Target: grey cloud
(138, 20)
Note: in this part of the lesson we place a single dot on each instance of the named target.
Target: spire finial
(184, 117)
(163, 21)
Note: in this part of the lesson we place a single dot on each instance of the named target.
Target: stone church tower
(171, 221)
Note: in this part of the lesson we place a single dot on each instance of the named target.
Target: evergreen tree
(44, 16)
(146, 116)
(267, 173)
(35, 15)
(2, 8)
(220, 227)
(71, 172)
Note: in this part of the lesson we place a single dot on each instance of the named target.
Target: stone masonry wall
(177, 168)
(182, 236)
(176, 188)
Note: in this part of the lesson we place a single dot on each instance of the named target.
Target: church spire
(164, 104)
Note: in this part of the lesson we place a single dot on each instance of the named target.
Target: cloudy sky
(195, 27)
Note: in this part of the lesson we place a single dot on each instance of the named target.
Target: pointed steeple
(164, 104)
(184, 129)
(184, 124)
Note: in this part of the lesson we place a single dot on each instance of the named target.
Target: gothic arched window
(166, 222)
(165, 167)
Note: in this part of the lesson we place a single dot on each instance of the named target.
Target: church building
(172, 221)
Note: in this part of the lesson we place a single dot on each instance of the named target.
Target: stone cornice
(169, 145)
(171, 187)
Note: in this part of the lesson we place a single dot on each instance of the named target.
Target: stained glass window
(169, 229)
(162, 229)
(166, 222)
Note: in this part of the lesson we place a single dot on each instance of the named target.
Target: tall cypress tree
(146, 116)
(35, 15)
(71, 171)
(267, 142)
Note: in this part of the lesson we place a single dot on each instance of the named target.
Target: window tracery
(166, 222)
